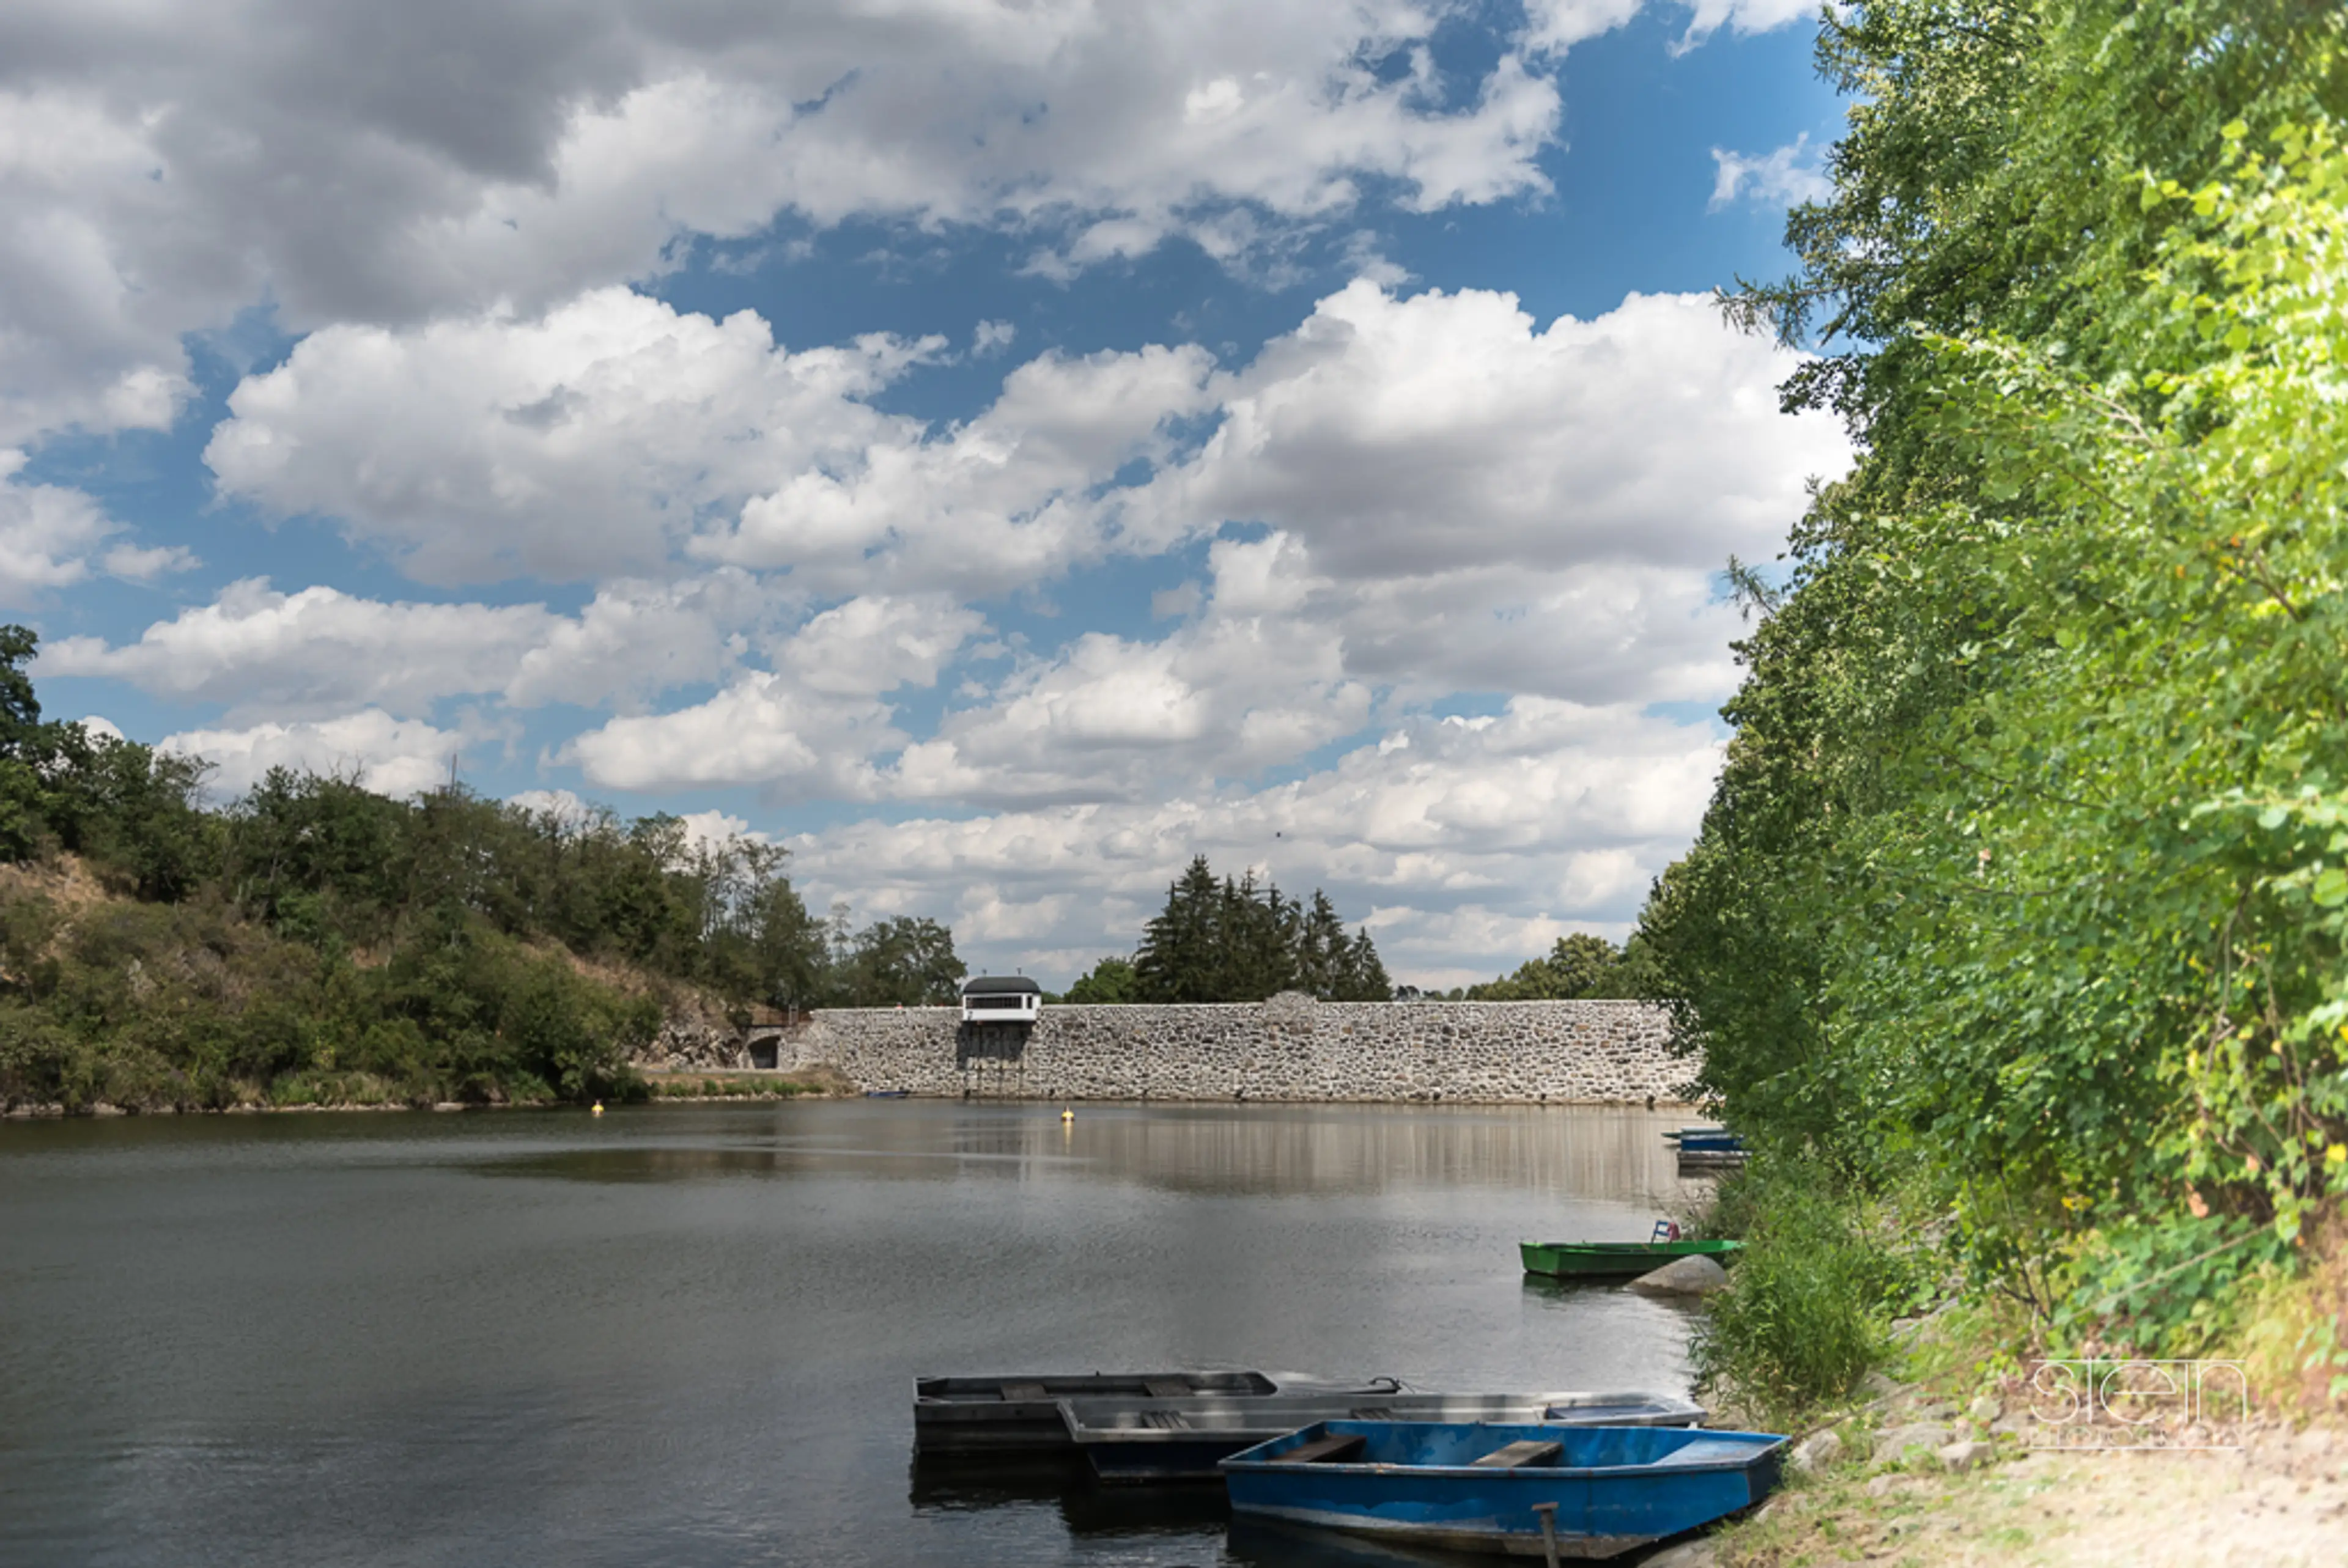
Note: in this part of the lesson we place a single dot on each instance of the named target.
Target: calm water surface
(687, 1335)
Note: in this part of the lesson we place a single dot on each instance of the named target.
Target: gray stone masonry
(1290, 1048)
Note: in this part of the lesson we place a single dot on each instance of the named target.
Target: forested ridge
(2020, 910)
(314, 942)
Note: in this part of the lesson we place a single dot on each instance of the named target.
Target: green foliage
(905, 962)
(1234, 942)
(1810, 1294)
(194, 1006)
(1111, 981)
(1581, 967)
(323, 857)
(317, 942)
(2028, 865)
(2159, 1285)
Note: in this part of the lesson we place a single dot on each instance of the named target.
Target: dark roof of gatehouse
(1000, 985)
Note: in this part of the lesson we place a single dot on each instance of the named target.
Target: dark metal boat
(1022, 1411)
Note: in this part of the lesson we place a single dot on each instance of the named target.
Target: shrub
(1811, 1293)
(2162, 1285)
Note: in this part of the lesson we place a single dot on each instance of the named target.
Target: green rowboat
(1616, 1259)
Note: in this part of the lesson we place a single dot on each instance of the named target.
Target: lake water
(688, 1335)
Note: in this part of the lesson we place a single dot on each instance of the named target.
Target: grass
(740, 1085)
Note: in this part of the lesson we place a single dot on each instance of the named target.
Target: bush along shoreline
(2015, 937)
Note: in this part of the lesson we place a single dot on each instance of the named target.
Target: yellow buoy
(599, 1108)
(1068, 1115)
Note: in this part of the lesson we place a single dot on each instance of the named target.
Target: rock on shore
(1684, 1276)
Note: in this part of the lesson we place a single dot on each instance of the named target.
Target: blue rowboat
(1524, 1491)
(1149, 1443)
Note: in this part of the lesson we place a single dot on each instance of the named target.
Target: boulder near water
(1817, 1451)
(1684, 1276)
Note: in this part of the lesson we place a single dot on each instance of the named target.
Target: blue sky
(996, 453)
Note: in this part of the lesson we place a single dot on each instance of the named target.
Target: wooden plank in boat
(1323, 1449)
(1516, 1455)
(1022, 1393)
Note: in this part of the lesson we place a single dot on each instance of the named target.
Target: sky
(996, 449)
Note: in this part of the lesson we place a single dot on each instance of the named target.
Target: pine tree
(1320, 949)
(1360, 976)
(1178, 959)
(1235, 941)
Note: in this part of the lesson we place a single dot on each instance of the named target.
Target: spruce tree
(1234, 940)
(1177, 960)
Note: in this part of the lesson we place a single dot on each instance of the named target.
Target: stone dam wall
(1290, 1048)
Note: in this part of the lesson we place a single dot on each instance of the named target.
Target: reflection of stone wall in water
(1290, 1048)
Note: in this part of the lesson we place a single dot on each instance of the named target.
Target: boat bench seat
(1704, 1450)
(1023, 1393)
(1166, 1387)
(1324, 1449)
(1518, 1454)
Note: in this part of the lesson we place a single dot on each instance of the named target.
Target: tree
(1579, 965)
(903, 962)
(2011, 876)
(1179, 960)
(314, 940)
(1359, 975)
(1110, 981)
(20, 708)
(787, 947)
(1323, 950)
(1236, 941)
(1254, 943)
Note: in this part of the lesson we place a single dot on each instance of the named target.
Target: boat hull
(1464, 1536)
(1615, 1260)
(1618, 1489)
(1155, 1442)
(1021, 1412)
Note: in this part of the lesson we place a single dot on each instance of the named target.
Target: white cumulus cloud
(614, 432)
(50, 535)
(1471, 502)
(262, 651)
(1778, 179)
(587, 442)
(163, 166)
(809, 727)
(391, 757)
(1460, 838)
(315, 653)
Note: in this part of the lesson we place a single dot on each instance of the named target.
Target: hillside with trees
(315, 942)
(2020, 912)
(1235, 941)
